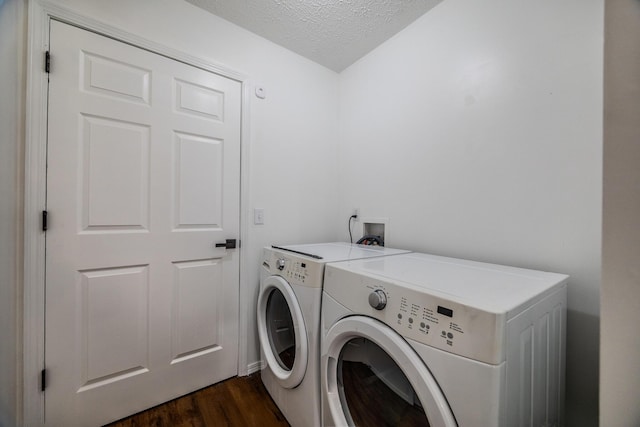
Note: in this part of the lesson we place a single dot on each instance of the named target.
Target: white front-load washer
(288, 312)
(423, 340)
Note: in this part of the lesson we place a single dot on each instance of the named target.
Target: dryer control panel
(427, 318)
(297, 270)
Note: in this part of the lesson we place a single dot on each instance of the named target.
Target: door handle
(229, 244)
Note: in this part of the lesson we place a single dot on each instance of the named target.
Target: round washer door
(282, 332)
(372, 376)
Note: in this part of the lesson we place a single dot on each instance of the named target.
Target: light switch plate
(258, 216)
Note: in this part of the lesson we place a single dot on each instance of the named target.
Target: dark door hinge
(43, 379)
(47, 62)
(45, 220)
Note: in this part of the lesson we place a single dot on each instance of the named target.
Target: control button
(378, 299)
(280, 264)
(410, 319)
(450, 335)
(399, 315)
(422, 325)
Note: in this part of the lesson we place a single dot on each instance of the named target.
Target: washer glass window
(374, 390)
(280, 329)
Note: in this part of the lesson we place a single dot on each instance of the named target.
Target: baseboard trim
(254, 367)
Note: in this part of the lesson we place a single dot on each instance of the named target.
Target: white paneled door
(143, 181)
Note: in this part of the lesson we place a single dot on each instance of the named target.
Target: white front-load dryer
(422, 340)
(288, 313)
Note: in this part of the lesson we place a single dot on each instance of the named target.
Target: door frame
(40, 13)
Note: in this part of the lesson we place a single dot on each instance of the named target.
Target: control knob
(378, 299)
(280, 264)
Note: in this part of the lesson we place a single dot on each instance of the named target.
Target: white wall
(620, 352)
(478, 132)
(12, 42)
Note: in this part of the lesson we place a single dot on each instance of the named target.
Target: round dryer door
(282, 331)
(372, 376)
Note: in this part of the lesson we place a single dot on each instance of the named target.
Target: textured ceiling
(334, 33)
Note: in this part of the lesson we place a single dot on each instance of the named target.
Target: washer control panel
(295, 269)
(425, 317)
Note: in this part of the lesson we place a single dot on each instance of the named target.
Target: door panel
(195, 284)
(115, 174)
(199, 100)
(113, 342)
(198, 181)
(109, 77)
(143, 179)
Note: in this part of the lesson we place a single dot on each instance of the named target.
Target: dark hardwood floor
(239, 401)
(364, 391)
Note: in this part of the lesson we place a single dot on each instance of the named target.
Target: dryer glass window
(280, 330)
(373, 389)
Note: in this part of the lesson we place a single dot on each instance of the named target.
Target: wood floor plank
(237, 402)
(219, 407)
(252, 392)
